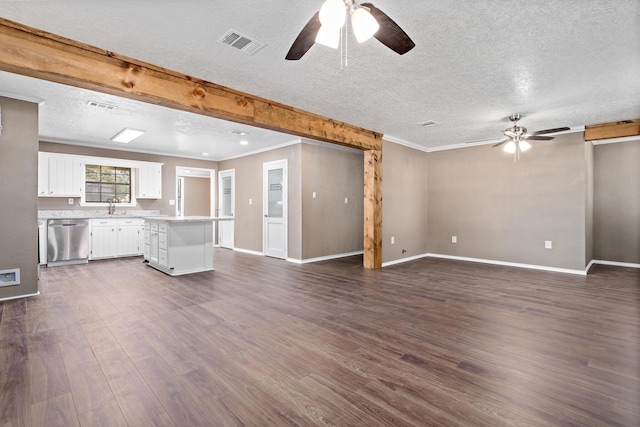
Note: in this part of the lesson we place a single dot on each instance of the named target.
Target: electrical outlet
(454, 239)
(346, 200)
(548, 244)
(314, 194)
(250, 202)
(393, 240)
(70, 201)
(172, 202)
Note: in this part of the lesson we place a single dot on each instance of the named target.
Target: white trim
(615, 140)
(262, 150)
(32, 99)
(402, 260)
(614, 263)
(415, 146)
(391, 138)
(324, 258)
(20, 296)
(511, 264)
(247, 251)
(589, 266)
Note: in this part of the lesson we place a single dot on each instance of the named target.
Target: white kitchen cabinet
(181, 245)
(60, 175)
(149, 181)
(115, 237)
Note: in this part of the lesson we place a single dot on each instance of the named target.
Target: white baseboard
(20, 296)
(401, 260)
(247, 251)
(324, 258)
(512, 264)
(614, 263)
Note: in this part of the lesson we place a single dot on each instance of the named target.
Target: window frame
(117, 163)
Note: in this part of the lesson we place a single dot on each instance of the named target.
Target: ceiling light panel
(127, 135)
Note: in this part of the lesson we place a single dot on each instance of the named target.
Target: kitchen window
(104, 184)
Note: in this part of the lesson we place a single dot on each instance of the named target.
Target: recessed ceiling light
(244, 142)
(127, 135)
(205, 154)
(239, 132)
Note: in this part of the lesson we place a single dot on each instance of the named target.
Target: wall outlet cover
(454, 239)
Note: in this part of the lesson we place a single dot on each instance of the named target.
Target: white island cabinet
(179, 245)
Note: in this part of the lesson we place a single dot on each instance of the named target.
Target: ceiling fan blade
(390, 34)
(538, 137)
(501, 142)
(546, 131)
(305, 39)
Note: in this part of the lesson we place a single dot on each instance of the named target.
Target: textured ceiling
(559, 63)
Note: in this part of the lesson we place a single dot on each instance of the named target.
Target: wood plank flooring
(262, 342)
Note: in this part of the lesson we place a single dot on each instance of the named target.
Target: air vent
(239, 132)
(241, 42)
(102, 105)
(428, 124)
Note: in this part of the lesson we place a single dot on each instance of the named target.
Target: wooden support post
(373, 209)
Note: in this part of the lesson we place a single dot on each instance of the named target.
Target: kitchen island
(179, 245)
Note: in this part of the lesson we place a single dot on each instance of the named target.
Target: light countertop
(188, 218)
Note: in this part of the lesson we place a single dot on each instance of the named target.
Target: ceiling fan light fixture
(333, 14)
(328, 37)
(524, 146)
(510, 147)
(364, 24)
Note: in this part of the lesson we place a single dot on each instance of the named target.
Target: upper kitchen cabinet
(60, 175)
(150, 181)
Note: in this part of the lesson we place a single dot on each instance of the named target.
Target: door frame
(181, 172)
(266, 166)
(222, 174)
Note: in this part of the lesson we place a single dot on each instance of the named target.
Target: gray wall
(616, 216)
(505, 210)
(197, 196)
(248, 218)
(329, 225)
(168, 175)
(19, 208)
(404, 201)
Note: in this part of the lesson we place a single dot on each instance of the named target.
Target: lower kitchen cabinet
(179, 245)
(115, 237)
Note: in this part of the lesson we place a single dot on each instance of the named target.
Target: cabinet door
(104, 242)
(153, 247)
(128, 240)
(62, 176)
(43, 174)
(150, 181)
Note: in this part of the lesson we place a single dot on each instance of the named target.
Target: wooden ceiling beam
(31, 52)
(34, 53)
(612, 130)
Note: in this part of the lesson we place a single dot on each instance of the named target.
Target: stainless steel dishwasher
(67, 241)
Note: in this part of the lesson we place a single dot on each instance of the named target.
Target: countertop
(188, 218)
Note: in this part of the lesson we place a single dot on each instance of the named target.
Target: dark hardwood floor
(263, 342)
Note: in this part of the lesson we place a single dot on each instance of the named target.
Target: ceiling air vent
(102, 105)
(241, 42)
(428, 124)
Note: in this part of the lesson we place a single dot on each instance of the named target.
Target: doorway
(227, 204)
(195, 192)
(274, 206)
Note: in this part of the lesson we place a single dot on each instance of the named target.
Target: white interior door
(227, 203)
(274, 204)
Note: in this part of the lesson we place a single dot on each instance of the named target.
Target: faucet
(112, 207)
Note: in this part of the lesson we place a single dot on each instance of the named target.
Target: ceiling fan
(517, 136)
(366, 20)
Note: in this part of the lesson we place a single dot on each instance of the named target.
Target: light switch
(454, 239)
(314, 194)
(172, 202)
(250, 202)
(346, 200)
(548, 244)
